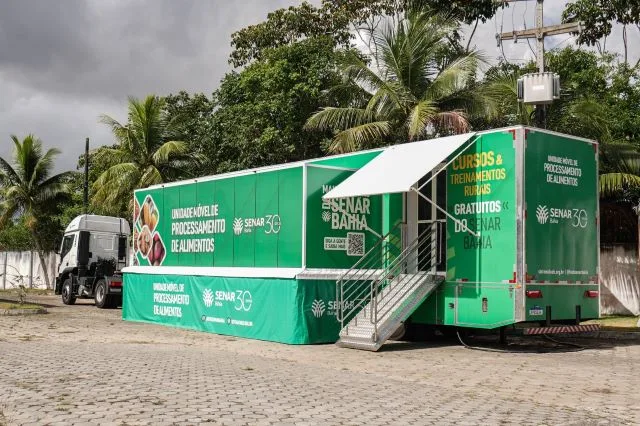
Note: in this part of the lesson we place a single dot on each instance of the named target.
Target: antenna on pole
(86, 177)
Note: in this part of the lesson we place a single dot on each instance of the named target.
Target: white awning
(398, 167)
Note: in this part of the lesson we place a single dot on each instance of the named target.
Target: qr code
(355, 244)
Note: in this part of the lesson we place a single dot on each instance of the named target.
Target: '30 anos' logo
(240, 299)
(577, 217)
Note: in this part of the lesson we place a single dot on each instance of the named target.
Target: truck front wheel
(68, 298)
(103, 300)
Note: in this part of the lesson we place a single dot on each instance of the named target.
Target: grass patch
(616, 321)
(31, 291)
(13, 305)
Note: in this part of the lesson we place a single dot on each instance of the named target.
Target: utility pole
(539, 33)
(86, 178)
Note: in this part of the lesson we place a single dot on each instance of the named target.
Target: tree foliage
(286, 26)
(340, 21)
(419, 87)
(598, 17)
(257, 115)
(30, 190)
(464, 10)
(192, 117)
(15, 236)
(147, 153)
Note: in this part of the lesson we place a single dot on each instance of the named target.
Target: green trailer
(480, 230)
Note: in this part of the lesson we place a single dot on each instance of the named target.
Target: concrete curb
(10, 312)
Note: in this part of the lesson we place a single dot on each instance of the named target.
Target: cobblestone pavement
(81, 365)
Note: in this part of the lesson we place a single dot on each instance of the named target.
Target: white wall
(620, 280)
(18, 270)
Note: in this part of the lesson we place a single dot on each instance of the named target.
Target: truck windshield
(67, 243)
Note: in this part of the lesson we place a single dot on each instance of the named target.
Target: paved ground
(82, 365)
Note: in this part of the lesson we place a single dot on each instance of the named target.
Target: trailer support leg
(548, 319)
(578, 314)
(503, 335)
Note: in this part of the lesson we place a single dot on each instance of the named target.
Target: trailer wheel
(68, 298)
(400, 333)
(103, 300)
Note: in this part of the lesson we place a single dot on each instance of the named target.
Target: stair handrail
(382, 307)
(371, 295)
(404, 255)
(408, 253)
(358, 274)
(353, 285)
(413, 250)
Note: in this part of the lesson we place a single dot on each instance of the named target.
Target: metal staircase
(385, 287)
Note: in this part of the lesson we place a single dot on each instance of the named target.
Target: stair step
(357, 343)
(357, 332)
(361, 332)
(395, 303)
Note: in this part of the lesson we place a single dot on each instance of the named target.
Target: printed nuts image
(135, 239)
(136, 210)
(149, 214)
(144, 241)
(156, 256)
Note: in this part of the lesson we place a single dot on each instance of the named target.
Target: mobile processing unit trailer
(480, 230)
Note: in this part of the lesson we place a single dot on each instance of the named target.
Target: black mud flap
(58, 287)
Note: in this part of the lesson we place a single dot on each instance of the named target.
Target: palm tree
(620, 170)
(416, 86)
(147, 153)
(620, 175)
(501, 89)
(28, 187)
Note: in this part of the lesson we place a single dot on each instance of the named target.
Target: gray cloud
(65, 62)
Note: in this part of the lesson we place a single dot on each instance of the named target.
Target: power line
(513, 20)
(539, 32)
(562, 42)
(501, 28)
(524, 22)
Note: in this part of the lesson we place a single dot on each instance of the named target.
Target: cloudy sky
(65, 62)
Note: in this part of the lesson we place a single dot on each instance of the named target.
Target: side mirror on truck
(122, 248)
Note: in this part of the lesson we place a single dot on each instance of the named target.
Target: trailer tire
(399, 334)
(68, 298)
(103, 300)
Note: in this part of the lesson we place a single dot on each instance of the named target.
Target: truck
(93, 252)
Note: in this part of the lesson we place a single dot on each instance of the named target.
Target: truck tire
(68, 298)
(103, 300)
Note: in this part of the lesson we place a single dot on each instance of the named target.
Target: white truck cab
(93, 251)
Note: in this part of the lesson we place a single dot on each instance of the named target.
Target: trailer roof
(263, 169)
(332, 157)
(537, 129)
